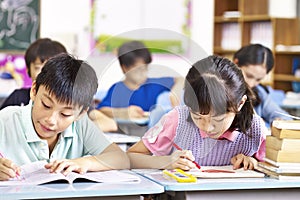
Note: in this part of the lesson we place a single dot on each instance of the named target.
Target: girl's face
(213, 126)
(137, 73)
(49, 116)
(253, 74)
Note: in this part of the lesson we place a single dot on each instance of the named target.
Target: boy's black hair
(43, 48)
(217, 84)
(72, 81)
(255, 54)
(130, 52)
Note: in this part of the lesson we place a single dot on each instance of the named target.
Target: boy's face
(136, 73)
(35, 68)
(50, 117)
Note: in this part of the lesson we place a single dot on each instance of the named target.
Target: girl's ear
(236, 61)
(242, 102)
(33, 91)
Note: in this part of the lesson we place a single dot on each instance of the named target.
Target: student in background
(35, 56)
(256, 61)
(216, 126)
(54, 125)
(137, 93)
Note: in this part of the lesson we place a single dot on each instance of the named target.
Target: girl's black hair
(255, 54)
(216, 84)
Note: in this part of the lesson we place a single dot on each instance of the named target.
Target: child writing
(137, 93)
(216, 126)
(256, 61)
(54, 125)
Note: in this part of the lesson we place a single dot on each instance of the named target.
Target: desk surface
(84, 189)
(217, 184)
(122, 138)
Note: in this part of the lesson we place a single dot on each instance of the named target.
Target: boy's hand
(241, 160)
(65, 166)
(135, 112)
(8, 169)
(182, 160)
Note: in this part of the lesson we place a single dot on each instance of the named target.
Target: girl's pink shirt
(159, 139)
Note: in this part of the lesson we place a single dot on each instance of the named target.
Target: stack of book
(282, 150)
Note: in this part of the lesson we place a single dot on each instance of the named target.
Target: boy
(54, 125)
(36, 54)
(35, 57)
(137, 93)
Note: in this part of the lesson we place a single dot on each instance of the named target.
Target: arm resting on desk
(123, 113)
(140, 157)
(111, 158)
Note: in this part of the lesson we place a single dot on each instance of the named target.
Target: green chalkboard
(19, 24)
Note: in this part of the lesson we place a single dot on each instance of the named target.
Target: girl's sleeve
(159, 139)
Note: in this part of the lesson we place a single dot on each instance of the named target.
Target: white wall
(68, 22)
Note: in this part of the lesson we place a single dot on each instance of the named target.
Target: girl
(216, 126)
(256, 61)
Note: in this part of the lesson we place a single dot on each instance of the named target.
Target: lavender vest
(212, 152)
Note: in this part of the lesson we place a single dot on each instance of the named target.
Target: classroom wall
(68, 22)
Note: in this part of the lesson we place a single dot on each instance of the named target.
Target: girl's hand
(8, 169)
(65, 166)
(182, 160)
(241, 160)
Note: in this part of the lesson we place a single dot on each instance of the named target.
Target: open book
(36, 174)
(224, 172)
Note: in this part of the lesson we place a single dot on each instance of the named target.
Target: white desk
(134, 127)
(123, 140)
(239, 188)
(84, 190)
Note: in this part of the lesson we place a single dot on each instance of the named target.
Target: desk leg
(265, 194)
(106, 198)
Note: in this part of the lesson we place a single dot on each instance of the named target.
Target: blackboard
(19, 24)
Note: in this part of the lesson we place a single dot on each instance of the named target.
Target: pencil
(180, 149)
(17, 173)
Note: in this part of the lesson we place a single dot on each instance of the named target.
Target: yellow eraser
(180, 176)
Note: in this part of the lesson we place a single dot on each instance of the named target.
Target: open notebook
(224, 172)
(36, 174)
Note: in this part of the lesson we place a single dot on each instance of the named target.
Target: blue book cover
(296, 70)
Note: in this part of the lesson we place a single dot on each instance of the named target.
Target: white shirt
(20, 143)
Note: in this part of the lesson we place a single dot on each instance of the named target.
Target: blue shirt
(120, 96)
(21, 144)
(268, 109)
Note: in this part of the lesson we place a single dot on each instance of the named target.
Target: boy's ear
(81, 114)
(123, 67)
(242, 102)
(33, 91)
